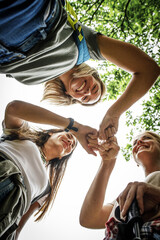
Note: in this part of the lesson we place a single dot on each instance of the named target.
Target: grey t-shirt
(54, 56)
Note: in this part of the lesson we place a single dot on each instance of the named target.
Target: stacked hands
(108, 149)
(106, 144)
(107, 129)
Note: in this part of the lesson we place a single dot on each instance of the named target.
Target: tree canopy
(136, 22)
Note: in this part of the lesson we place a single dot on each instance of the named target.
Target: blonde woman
(95, 214)
(25, 153)
(42, 47)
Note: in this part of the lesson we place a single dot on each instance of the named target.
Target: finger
(105, 146)
(91, 151)
(129, 199)
(94, 141)
(121, 198)
(94, 132)
(92, 136)
(108, 132)
(123, 195)
(139, 197)
(91, 145)
(113, 131)
(101, 132)
(101, 149)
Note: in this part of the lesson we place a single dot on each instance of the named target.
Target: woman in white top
(24, 155)
(94, 213)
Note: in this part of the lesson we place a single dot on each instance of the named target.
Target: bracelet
(70, 126)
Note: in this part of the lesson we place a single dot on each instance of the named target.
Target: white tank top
(25, 154)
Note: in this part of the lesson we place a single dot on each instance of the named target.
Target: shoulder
(92, 43)
(153, 178)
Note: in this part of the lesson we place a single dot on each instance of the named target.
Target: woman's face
(59, 145)
(145, 145)
(85, 89)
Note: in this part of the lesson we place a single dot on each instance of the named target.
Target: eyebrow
(134, 142)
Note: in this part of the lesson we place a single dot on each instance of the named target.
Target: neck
(49, 153)
(151, 168)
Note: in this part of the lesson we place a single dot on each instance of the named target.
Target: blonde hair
(155, 135)
(54, 90)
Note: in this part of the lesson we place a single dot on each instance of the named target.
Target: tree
(137, 22)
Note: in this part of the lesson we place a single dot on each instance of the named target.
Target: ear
(50, 133)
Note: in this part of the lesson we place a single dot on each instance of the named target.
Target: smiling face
(145, 146)
(59, 145)
(85, 89)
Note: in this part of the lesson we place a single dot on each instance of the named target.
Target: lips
(78, 85)
(81, 87)
(65, 143)
(141, 147)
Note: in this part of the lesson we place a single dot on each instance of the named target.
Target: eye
(69, 136)
(146, 137)
(134, 143)
(94, 87)
(83, 99)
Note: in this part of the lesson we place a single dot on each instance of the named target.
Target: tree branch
(125, 16)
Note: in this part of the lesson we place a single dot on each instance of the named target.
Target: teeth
(142, 147)
(81, 87)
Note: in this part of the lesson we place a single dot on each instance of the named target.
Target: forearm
(92, 215)
(17, 111)
(132, 59)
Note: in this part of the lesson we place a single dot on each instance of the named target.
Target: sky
(62, 222)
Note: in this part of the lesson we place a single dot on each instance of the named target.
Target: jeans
(23, 29)
(5, 187)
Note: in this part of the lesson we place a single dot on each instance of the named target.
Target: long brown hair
(56, 166)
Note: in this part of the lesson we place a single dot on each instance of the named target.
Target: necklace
(42, 155)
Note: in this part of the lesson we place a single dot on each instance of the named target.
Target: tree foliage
(136, 22)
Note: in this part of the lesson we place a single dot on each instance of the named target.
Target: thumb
(90, 151)
(101, 133)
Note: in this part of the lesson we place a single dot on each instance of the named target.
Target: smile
(142, 147)
(65, 143)
(81, 87)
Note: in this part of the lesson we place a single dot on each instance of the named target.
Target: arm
(147, 195)
(144, 73)
(18, 111)
(93, 213)
(25, 218)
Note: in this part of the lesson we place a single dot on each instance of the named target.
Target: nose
(139, 141)
(70, 140)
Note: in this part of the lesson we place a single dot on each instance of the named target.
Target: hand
(82, 134)
(109, 149)
(109, 125)
(147, 197)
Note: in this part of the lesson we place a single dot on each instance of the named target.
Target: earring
(137, 165)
